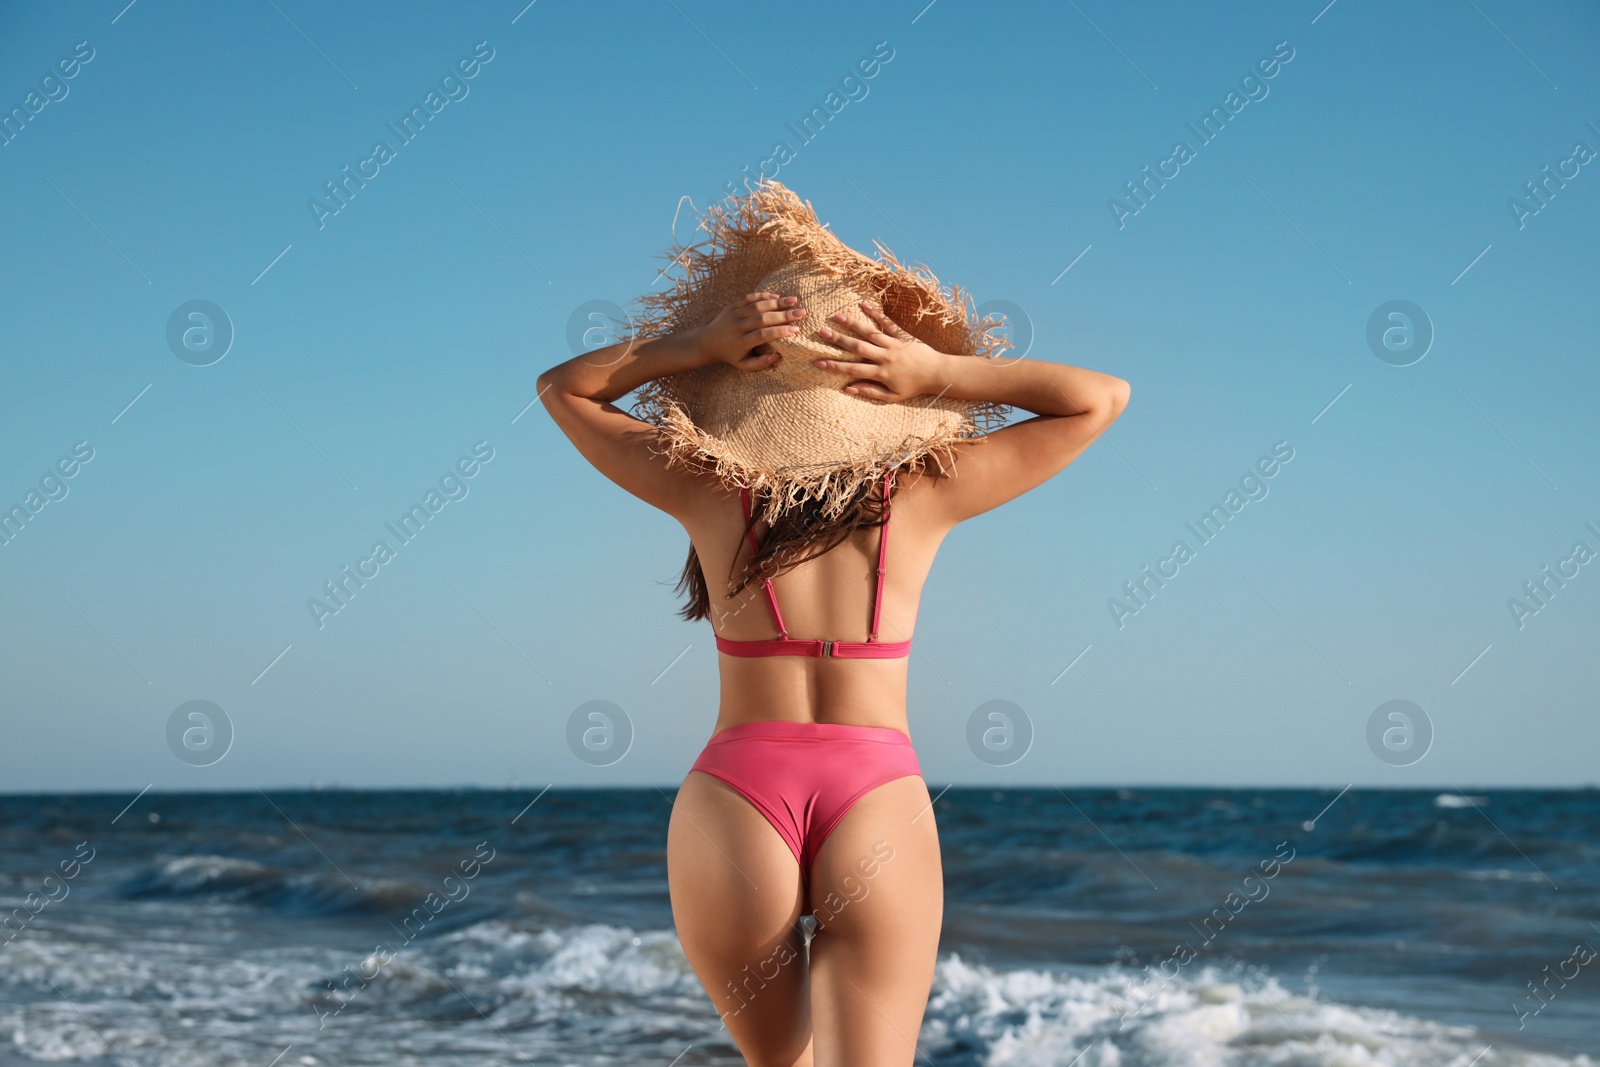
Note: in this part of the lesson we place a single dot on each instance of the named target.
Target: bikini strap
(883, 557)
(766, 583)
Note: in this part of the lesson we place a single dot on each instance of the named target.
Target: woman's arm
(1053, 389)
(1072, 407)
(610, 373)
(579, 393)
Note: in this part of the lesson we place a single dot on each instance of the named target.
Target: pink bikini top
(784, 645)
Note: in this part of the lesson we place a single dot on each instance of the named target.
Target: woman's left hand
(896, 365)
(741, 333)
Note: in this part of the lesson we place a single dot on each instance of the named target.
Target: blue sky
(375, 346)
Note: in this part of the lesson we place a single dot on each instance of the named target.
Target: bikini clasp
(827, 648)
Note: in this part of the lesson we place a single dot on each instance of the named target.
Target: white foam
(563, 994)
(1116, 1018)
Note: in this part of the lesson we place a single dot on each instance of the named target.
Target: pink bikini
(805, 776)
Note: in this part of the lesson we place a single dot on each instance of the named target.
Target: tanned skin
(736, 889)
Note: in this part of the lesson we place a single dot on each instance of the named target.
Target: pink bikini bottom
(805, 776)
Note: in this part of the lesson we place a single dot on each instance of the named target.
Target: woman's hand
(897, 365)
(738, 335)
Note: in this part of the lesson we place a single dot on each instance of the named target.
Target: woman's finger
(751, 298)
(772, 318)
(769, 333)
(854, 370)
(768, 302)
(885, 323)
(870, 390)
(757, 360)
(851, 323)
(863, 328)
(849, 344)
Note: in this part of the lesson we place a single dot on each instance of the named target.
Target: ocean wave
(1450, 841)
(245, 881)
(589, 958)
(528, 978)
(1112, 1018)
(585, 992)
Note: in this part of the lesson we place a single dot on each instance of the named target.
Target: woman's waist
(804, 730)
(869, 707)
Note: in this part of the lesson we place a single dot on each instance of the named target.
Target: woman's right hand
(739, 333)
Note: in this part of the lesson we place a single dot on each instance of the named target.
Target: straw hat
(790, 429)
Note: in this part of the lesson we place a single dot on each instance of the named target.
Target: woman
(808, 800)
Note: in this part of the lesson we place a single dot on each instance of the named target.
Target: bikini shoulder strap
(883, 558)
(766, 583)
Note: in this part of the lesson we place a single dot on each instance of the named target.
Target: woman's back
(829, 597)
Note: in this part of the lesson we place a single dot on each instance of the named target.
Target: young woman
(808, 800)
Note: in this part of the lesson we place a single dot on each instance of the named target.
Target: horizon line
(991, 787)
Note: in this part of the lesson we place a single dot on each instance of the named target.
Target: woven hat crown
(790, 429)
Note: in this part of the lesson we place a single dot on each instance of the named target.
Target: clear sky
(379, 337)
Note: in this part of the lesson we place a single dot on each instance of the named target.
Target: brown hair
(799, 534)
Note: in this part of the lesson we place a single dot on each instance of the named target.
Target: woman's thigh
(877, 891)
(736, 899)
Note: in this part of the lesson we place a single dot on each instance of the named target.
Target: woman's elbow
(552, 393)
(554, 381)
(1116, 400)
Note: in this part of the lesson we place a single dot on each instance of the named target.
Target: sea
(1096, 927)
